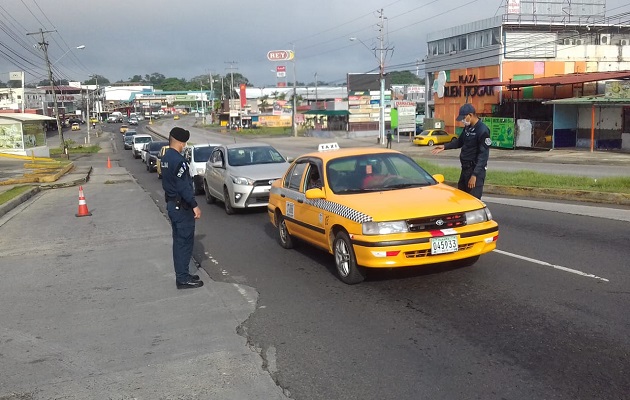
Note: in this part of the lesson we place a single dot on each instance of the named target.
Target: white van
(137, 143)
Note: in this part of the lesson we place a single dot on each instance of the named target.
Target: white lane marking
(565, 269)
(244, 293)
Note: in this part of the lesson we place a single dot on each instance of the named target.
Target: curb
(559, 194)
(11, 204)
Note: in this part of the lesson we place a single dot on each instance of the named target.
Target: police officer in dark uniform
(181, 206)
(475, 144)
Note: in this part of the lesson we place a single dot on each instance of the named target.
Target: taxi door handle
(300, 201)
(283, 195)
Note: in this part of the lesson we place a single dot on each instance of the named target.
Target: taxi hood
(417, 202)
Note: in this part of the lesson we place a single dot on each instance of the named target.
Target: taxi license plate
(444, 244)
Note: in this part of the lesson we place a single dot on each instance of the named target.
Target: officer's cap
(180, 134)
(465, 110)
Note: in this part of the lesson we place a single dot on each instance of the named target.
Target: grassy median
(537, 179)
(13, 193)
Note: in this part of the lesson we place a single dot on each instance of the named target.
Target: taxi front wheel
(346, 261)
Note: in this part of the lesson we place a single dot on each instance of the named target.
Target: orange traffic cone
(109, 163)
(83, 209)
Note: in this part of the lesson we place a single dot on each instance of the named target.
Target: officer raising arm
(181, 206)
(475, 144)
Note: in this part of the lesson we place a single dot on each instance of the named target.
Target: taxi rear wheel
(284, 238)
(346, 261)
(229, 210)
(430, 143)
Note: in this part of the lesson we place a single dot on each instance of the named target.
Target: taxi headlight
(384, 228)
(239, 180)
(478, 216)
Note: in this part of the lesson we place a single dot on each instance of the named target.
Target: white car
(137, 143)
(240, 174)
(197, 155)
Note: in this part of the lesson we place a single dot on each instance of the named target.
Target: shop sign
(464, 88)
(501, 131)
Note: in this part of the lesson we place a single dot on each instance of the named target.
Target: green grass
(13, 193)
(55, 151)
(537, 179)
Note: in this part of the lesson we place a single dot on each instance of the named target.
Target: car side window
(294, 178)
(313, 179)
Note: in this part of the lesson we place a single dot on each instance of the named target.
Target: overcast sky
(195, 37)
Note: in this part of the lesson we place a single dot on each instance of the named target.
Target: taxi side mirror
(290, 159)
(315, 193)
(439, 178)
(217, 164)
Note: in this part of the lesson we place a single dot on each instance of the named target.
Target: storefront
(23, 134)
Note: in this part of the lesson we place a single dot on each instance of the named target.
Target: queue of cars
(361, 205)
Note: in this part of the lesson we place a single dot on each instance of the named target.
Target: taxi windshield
(375, 172)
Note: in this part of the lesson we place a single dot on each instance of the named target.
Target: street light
(381, 116)
(81, 47)
(54, 93)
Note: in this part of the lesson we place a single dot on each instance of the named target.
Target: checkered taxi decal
(332, 207)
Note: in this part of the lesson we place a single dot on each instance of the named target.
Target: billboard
(370, 81)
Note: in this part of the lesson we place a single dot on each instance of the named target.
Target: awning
(568, 79)
(328, 113)
(591, 100)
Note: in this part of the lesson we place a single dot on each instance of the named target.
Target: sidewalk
(90, 309)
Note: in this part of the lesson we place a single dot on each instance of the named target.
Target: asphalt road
(544, 317)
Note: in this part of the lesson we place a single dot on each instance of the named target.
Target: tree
(264, 103)
(57, 82)
(404, 78)
(94, 79)
(136, 78)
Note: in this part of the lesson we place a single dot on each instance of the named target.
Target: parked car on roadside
(240, 174)
(151, 152)
(197, 155)
(430, 137)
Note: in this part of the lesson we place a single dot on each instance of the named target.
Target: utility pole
(316, 97)
(293, 114)
(232, 87)
(381, 126)
(44, 46)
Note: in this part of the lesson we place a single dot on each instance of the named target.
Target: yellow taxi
(377, 208)
(93, 120)
(176, 116)
(123, 129)
(158, 164)
(430, 137)
(76, 126)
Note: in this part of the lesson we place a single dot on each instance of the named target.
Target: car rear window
(142, 139)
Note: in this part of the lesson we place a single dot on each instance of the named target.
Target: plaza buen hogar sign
(466, 87)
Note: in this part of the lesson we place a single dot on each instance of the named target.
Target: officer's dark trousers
(464, 177)
(183, 225)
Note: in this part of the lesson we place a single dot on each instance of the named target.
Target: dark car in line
(128, 137)
(153, 149)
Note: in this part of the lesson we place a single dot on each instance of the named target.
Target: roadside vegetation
(13, 193)
(74, 148)
(537, 179)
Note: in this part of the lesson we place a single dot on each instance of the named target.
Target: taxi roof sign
(328, 146)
